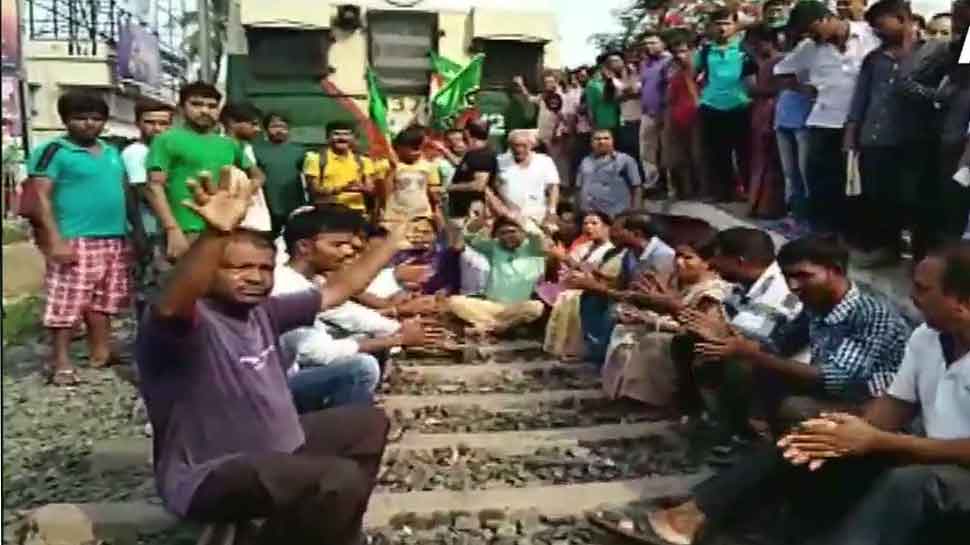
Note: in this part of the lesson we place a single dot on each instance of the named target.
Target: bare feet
(678, 525)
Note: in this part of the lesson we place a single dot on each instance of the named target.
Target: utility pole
(205, 47)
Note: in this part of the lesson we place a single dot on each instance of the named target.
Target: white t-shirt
(134, 157)
(524, 187)
(309, 345)
(353, 318)
(257, 217)
(832, 72)
(942, 393)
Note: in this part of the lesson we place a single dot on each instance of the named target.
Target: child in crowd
(413, 189)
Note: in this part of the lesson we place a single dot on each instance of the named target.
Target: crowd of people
(273, 285)
(836, 120)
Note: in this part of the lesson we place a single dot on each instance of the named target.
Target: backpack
(369, 201)
(29, 203)
(359, 159)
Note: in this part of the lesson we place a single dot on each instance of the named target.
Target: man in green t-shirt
(602, 100)
(282, 162)
(180, 154)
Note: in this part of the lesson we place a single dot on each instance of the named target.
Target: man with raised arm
(229, 445)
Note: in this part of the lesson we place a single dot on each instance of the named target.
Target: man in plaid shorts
(81, 221)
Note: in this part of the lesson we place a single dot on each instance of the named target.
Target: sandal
(63, 377)
(627, 527)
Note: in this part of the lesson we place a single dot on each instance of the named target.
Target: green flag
(376, 103)
(445, 67)
(458, 94)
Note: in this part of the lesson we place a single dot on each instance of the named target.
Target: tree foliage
(634, 21)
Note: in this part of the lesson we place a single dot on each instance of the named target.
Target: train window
(287, 52)
(505, 59)
(398, 45)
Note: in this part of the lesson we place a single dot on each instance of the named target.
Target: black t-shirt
(479, 160)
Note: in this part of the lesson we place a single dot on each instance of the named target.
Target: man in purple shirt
(229, 445)
(653, 83)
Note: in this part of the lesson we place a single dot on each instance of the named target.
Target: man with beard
(282, 162)
(552, 124)
(182, 153)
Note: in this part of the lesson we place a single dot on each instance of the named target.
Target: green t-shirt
(513, 274)
(88, 197)
(282, 164)
(182, 153)
(724, 65)
(603, 113)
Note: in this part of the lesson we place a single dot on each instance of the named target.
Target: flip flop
(63, 377)
(627, 528)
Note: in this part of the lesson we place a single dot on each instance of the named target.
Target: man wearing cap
(826, 68)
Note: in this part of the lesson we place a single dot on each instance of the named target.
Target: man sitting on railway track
(335, 360)
(229, 445)
(862, 480)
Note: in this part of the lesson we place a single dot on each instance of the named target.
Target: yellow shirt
(342, 170)
(409, 192)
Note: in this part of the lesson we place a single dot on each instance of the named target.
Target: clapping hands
(832, 435)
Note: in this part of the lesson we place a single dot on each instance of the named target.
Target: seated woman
(634, 235)
(639, 365)
(408, 284)
(564, 332)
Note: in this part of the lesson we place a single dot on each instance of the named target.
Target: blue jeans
(793, 152)
(350, 380)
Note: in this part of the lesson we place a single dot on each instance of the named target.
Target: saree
(564, 331)
(639, 364)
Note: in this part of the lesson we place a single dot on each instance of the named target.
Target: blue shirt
(724, 66)
(606, 183)
(88, 197)
(858, 346)
(791, 110)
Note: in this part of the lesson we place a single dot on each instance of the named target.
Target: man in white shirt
(552, 124)
(528, 182)
(152, 118)
(862, 480)
(830, 61)
(329, 372)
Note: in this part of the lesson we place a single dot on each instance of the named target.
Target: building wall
(51, 71)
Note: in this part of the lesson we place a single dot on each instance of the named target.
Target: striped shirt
(858, 346)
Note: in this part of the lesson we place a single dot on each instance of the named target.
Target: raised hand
(223, 206)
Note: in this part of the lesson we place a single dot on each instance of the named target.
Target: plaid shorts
(99, 280)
